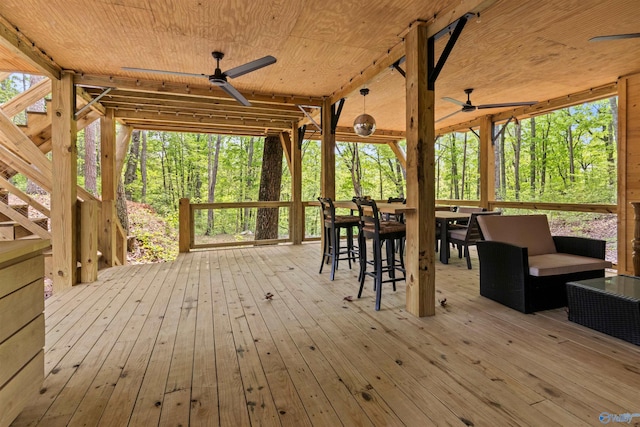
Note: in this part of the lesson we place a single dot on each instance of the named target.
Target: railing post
(185, 238)
(88, 251)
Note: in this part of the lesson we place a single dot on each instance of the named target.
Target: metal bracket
(504, 127)
(301, 131)
(454, 29)
(396, 66)
(90, 103)
(335, 115)
(311, 119)
(475, 133)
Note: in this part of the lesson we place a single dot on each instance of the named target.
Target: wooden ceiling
(516, 51)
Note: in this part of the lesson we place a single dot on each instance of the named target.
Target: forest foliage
(568, 155)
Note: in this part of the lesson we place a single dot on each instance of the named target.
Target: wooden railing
(187, 230)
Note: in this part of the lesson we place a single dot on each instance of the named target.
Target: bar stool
(379, 232)
(333, 224)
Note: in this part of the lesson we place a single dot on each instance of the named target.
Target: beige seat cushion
(526, 231)
(558, 263)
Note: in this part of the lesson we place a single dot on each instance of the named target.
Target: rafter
(187, 90)
(17, 43)
(204, 120)
(23, 100)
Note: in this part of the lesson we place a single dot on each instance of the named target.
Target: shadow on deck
(199, 341)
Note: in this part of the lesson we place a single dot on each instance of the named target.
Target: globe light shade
(364, 125)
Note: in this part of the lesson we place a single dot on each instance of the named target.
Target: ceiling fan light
(364, 125)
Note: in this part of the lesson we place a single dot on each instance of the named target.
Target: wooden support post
(628, 154)
(297, 210)
(420, 267)
(400, 154)
(185, 218)
(88, 236)
(64, 184)
(487, 163)
(328, 167)
(107, 239)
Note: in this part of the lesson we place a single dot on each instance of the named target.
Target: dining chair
(333, 225)
(468, 236)
(379, 232)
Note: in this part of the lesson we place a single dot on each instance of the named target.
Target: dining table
(443, 221)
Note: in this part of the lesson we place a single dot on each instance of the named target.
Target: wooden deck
(196, 342)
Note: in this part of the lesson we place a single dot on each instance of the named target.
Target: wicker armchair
(523, 267)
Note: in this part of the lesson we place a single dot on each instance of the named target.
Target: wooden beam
(420, 259)
(628, 155)
(161, 98)
(213, 119)
(27, 98)
(88, 237)
(24, 221)
(400, 154)
(297, 210)
(285, 140)
(328, 154)
(87, 98)
(186, 127)
(487, 163)
(24, 197)
(444, 18)
(4, 75)
(557, 103)
(17, 141)
(184, 236)
(107, 239)
(20, 45)
(64, 186)
(122, 146)
(208, 91)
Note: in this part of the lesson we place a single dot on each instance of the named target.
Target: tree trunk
(516, 159)
(532, 154)
(132, 163)
(121, 207)
(270, 180)
(572, 168)
(612, 141)
(143, 167)
(250, 176)
(214, 156)
(90, 170)
(464, 166)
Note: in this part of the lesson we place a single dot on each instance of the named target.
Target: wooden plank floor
(197, 342)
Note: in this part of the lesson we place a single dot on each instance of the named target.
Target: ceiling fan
(468, 107)
(218, 77)
(615, 37)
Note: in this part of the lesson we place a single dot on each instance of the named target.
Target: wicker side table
(610, 305)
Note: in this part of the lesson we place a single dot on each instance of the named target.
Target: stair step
(12, 230)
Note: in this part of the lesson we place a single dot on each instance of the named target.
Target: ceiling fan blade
(250, 66)
(175, 73)
(225, 86)
(507, 104)
(447, 116)
(455, 101)
(614, 37)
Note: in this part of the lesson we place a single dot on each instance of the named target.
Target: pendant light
(364, 124)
